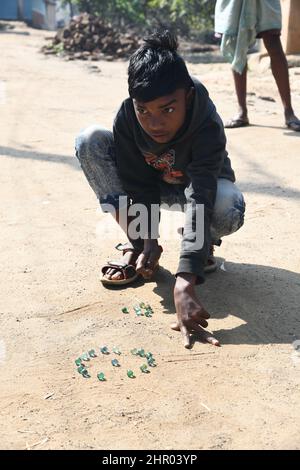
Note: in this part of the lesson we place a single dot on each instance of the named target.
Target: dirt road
(53, 307)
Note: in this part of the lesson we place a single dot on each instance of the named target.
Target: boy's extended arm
(208, 157)
(203, 171)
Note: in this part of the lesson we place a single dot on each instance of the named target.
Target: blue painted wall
(8, 9)
(27, 9)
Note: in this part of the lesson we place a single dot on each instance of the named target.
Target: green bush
(180, 15)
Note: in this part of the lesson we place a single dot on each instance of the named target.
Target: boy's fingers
(205, 335)
(184, 332)
(145, 265)
(185, 336)
(175, 326)
(146, 273)
(153, 260)
(202, 322)
(141, 262)
(199, 319)
(213, 341)
(204, 314)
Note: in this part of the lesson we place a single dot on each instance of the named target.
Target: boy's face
(163, 117)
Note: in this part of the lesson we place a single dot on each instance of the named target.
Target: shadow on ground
(39, 156)
(265, 298)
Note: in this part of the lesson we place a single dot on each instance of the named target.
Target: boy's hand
(148, 259)
(191, 314)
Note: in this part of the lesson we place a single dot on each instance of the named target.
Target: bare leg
(241, 118)
(281, 74)
(240, 82)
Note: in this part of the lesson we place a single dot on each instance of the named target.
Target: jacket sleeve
(139, 180)
(208, 154)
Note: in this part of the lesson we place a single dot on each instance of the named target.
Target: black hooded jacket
(196, 158)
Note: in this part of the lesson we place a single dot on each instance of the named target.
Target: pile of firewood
(87, 37)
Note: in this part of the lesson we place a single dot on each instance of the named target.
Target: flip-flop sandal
(235, 123)
(293, 125)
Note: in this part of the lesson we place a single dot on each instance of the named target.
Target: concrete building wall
(44, 14)
(50, 17)
(41, 13)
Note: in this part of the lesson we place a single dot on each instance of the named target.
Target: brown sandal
(128, 270)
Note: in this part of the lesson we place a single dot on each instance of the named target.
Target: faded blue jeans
(96, 153)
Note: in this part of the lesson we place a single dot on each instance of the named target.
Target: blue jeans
(96, 153)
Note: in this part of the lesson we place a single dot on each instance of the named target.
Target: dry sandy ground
(53, 307)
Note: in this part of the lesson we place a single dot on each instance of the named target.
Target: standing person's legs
(280, 72)
(96, 153)
(240, 83)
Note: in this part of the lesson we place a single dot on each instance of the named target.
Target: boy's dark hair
(156, 69)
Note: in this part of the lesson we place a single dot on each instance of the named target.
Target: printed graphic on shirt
(165, 163)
